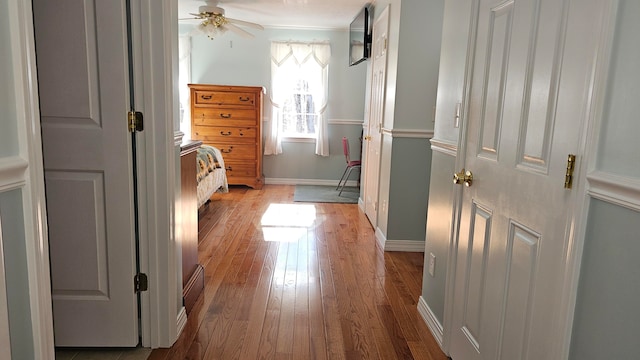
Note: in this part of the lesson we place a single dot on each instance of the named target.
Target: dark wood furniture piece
(192, 271)
(230, 118)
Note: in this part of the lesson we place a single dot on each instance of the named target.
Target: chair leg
(345, 180)
(341, 178)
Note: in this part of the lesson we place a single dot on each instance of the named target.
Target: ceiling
(313, 14)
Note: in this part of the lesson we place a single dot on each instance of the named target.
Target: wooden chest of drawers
(230, 118)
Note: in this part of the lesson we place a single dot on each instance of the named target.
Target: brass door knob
(368, 138)
(464, 176)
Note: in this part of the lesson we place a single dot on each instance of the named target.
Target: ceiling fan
(215, 23)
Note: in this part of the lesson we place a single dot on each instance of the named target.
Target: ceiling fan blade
(238, 30)
(245, 23)
(191, 18)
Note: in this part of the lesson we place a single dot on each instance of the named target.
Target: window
(299, 73)
(299, 117)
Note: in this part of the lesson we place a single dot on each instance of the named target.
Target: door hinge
(140, 282)
(568, 177)
(135, 121)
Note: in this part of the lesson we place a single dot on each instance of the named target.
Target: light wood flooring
(289, 280)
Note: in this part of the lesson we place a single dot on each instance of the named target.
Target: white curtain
(288, 58)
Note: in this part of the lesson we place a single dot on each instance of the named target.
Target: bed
(211, 173)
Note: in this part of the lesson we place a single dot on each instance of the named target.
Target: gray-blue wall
(16, 273)
(607, 320)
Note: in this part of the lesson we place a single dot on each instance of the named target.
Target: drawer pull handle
(225, 116)
(227, 151)
(244, 99)
(206, 97)
(228, 133)
(229, 168)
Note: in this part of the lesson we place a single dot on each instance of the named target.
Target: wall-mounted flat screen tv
(360, 37)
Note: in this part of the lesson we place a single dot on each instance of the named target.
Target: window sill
(299, 140)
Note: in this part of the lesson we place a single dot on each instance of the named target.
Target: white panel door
(529, 71)
(376, 115)
(81, 49)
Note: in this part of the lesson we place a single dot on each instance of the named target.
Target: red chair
(351, 164)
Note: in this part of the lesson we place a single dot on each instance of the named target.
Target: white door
(81, 49)
(5, 345)
(530, 73)
(376, 115)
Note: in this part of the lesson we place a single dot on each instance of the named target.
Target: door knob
(464, 176)
(367, 137)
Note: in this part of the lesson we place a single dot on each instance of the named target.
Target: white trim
(432, 322)
(346, 122)
(181, 321)
(404, 245)
(615, 189)
(12, 173)
(178, 136)
(408, 133)
(300, 27)
(444, 147)
(290, 181)
(361, 204)
(381, 238)
(155, 37)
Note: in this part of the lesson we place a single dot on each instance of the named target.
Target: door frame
(25, 172)
(578, 209)
(589, 139)
(155, 46)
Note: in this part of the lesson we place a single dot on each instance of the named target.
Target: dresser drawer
(237, 151)
(224, 117)
(240, 169)
(225, 134)
(225, 98)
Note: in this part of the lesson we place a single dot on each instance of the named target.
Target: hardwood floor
(289, 280)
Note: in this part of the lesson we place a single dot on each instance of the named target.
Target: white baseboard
(290, 181)
(432, 322)
(181, 321)
(398, 245)
(404, 245)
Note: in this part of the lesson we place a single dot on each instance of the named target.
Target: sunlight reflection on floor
(287, 222)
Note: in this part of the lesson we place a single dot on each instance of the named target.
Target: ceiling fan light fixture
(214, 23)
(212, 28)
